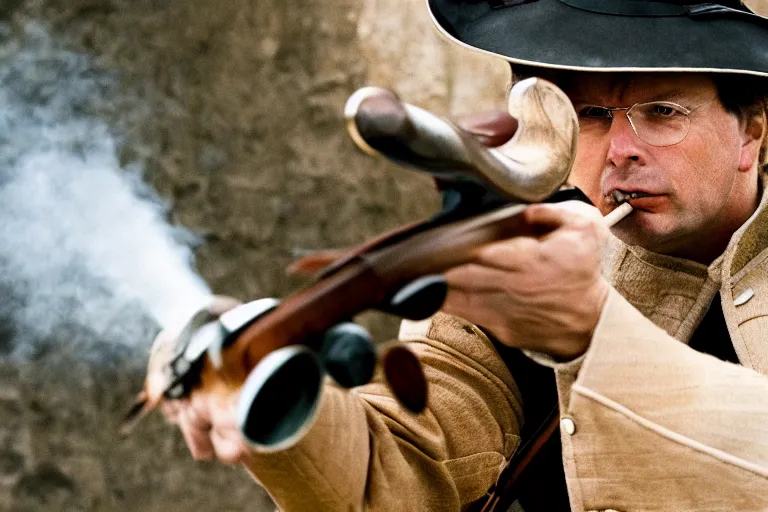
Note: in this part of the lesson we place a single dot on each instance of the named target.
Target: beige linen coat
(648, 423)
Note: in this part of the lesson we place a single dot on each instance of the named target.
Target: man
(648, 420)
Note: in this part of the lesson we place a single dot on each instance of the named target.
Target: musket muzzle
(279, 398)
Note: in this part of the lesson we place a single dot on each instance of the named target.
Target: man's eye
(661, 110)
(592, 112)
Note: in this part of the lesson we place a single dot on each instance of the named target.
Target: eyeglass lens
(656, 123)
(659, 124)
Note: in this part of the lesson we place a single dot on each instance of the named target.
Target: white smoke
(83, 242)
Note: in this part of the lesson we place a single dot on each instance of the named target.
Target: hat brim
(551, 34)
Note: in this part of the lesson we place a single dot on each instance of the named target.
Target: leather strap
(504, 492)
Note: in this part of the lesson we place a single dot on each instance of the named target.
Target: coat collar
(746, 244)
(676, 293)
(751, 239)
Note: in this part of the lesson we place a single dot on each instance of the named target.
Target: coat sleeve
(364, 452)
(654, 421)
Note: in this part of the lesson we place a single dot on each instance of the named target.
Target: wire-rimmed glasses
(658, 123)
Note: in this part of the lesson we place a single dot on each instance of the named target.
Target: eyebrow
(671, 94)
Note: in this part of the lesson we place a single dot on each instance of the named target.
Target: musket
(277, 353)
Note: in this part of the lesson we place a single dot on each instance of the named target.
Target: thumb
(492, 128)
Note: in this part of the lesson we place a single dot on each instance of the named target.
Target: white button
(744, 297)
(568, 426)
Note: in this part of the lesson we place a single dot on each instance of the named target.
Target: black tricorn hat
(611, 35)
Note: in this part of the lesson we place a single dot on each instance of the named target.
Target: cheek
(703, 175)
(587, 170)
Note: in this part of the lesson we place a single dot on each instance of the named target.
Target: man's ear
(753, 135)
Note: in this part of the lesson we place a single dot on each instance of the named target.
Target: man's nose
(624, 145)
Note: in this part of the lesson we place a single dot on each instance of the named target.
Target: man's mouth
(621, 196)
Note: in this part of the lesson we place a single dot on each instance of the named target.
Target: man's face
(690, 191)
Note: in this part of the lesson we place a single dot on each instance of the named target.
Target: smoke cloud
(84, 243)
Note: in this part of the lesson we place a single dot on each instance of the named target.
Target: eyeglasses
(658, 123)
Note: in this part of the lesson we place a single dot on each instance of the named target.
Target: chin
(643, 229)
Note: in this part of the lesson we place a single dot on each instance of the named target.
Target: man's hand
(543, 294)
(207, 422)
(206, 418)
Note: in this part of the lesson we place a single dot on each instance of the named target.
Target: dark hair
(745, 96)
(740, 94)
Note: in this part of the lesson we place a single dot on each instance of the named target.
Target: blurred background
(152, 152)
